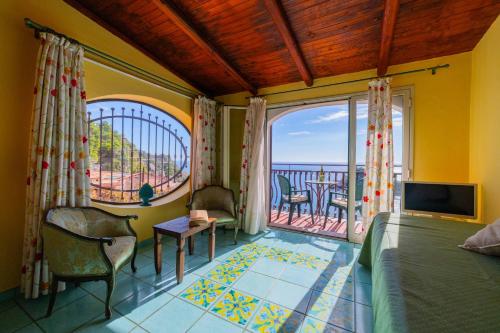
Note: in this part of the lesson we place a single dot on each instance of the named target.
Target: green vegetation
(128, 147)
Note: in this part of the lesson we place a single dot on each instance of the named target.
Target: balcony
(337, 176)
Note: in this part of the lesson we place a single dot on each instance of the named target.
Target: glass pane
(310, 150)
(361, 132)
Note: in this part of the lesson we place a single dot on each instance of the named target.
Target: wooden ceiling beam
(97, 19)
(202, 42)
(283, 25)
(388, 23)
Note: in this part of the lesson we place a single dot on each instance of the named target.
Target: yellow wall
(441, 112)
(17, 66)
(485, 121)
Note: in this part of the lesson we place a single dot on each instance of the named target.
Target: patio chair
(339, 200)
(87, 244)
(219, 203)
(293, 197)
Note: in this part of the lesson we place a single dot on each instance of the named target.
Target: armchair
(293, 197)
(219, 203)
(87, 244)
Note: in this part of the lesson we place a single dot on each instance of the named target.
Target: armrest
(104, 224)
(71, 254)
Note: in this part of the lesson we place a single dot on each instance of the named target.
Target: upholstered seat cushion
(296, 198)
(121, 250)
(342, 202)
(339, 202)
(222, 216)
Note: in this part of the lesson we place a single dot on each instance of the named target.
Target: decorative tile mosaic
(236, 307)
(272, 318)
(308, 261)
(203, 292)
(277, 254)
(241, 259)
(334, 310)
(225, 273)
(255, 248)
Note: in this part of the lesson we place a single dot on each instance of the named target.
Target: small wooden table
(180, 230)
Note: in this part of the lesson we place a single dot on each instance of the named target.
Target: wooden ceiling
(226, 46)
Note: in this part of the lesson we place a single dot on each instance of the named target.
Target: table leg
(158, 251)
(180, 260)
(191, 245)
(211, 242)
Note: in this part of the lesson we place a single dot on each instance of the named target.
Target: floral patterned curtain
(379, 168)
(58, 169)
(203, 156)
(253, 191)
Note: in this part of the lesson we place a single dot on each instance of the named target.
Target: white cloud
(299, 133)
(330, 117)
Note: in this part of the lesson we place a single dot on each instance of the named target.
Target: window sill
(178, 193)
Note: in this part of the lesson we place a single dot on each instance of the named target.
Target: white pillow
(486, 240)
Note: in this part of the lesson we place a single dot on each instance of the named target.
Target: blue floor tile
(72, 316)
(138, 307)
(299, 275)
(31, 328)
(175, 316)
(268, 267)
(37, 308)
(290, 295)
(116, 324)
(255, 284)
(211, 323)
(13, 319)
(126, 286)
(364, 318)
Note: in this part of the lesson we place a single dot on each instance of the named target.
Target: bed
(422, 282)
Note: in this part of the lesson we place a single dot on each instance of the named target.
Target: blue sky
(320, 135)
(93, 108)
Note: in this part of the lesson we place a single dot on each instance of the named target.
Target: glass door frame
(407, 93)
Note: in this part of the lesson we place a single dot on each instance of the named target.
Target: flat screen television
(441, 199)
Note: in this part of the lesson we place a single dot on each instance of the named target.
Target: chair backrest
(285, 186)
(214, 197)
(72, 219)
(359, 188)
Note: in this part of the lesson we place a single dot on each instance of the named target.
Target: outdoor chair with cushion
(293, 198)
(339, 200)
(219, 203)
(87, 244)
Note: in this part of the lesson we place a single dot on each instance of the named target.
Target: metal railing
(337, 174)
(129, 148)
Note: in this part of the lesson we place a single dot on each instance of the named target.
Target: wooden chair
(293, 198)
(339, 200)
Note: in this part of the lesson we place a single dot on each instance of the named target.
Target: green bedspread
(422, 282)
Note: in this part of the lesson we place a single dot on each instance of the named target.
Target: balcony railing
(337, 174)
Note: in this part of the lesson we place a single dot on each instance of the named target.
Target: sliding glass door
(402, 137)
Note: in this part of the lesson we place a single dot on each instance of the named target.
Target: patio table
(318, 189)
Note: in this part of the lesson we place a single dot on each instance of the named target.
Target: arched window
(132, 143)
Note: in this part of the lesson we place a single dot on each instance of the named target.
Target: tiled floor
(277, 281)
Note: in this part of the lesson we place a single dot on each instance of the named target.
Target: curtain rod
(130, 69)
(432, 69)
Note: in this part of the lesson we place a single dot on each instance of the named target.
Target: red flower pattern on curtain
(58, 169)
(379, 168)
